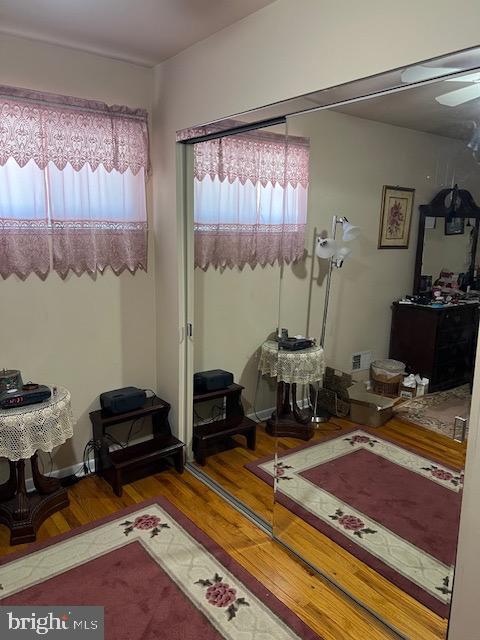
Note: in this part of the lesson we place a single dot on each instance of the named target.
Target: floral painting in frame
(395, 217)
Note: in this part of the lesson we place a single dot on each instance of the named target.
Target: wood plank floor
(391, 603)
(317, 603)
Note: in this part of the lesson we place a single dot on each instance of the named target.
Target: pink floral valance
(258, 156)
(63, 130)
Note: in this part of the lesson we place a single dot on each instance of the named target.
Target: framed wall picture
(395, 217)
(454, 226)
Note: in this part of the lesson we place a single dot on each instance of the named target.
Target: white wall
(89, 335)
(347, 180)
(286, 49)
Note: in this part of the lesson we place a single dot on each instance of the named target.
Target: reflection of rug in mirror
(393, 509)
(156, 574)
(437, 411)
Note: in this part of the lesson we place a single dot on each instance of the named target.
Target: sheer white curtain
(250, 199)
(98, 219)
(73, 170)
(24, 225)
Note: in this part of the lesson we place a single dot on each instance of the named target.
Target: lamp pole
(333, 262)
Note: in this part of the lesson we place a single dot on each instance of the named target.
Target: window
(250, 199)
(72, 185)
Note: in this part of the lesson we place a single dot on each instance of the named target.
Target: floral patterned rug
(392, 508)
(157, 575)
(437, 411)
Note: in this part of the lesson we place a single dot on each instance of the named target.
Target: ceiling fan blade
(420, 72)
(469, 77)
(459, 96)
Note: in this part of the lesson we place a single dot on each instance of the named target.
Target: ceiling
(140, 31)
(416, 108)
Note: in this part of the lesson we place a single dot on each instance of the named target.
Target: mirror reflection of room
(373, 498)
(361, 430)
(243, 237)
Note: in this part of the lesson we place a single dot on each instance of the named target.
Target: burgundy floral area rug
(157, 575)
(395, 510)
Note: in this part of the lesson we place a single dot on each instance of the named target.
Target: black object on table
(116, 465)
(234, 423)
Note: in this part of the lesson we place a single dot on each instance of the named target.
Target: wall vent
(361, 360)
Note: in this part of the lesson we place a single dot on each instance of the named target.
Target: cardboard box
(369, 408)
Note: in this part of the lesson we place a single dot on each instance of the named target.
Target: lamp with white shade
(327, 248)
(350, 232)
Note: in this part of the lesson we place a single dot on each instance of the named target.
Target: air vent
(361, 360)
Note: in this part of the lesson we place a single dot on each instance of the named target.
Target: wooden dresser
(437, 343)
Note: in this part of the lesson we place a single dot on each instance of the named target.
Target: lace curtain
(250, 199)
(72, 185)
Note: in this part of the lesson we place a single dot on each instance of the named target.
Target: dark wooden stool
(234, 423)
(114, 466)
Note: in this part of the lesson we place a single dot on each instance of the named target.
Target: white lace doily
(292, 367)
(43, 426)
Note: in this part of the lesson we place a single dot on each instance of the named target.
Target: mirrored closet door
(249, 199)
(368, 490)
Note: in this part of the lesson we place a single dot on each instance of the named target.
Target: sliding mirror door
(368, 489)
(241, 242)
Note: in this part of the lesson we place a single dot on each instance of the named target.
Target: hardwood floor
(314, 600)
(317, 603)
(411, 618)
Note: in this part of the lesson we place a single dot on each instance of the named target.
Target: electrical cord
(212, 418)
(142, 421)
(255, 397)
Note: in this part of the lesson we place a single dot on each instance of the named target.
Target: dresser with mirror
(435, 334)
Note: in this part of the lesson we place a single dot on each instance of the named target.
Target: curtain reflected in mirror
(243, 237)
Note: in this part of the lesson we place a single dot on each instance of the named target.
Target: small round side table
(306, 366)
(24, 431)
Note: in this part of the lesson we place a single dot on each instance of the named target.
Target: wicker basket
(386, 376)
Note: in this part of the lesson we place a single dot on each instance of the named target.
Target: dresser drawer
(459, 371)
(454, 351)
(451, 334)
(457, 316)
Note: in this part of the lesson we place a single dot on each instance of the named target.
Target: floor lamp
(327, 248)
